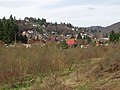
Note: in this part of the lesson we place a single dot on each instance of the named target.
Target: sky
(82, 13)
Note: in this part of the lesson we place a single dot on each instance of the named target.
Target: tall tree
(1, 30)
(79, 36)
(114, 37)
(9, 29)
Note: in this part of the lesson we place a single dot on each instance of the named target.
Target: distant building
(71, 41)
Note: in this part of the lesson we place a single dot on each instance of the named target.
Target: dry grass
(17, 63)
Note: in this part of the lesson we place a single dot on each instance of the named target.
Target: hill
(64, 28)
(104, 30)
(115, 27)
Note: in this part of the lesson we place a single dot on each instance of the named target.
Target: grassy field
(53, 68)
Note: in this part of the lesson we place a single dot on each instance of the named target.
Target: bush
(63, 44)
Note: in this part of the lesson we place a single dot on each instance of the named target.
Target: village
(40, 32)
(83, 39)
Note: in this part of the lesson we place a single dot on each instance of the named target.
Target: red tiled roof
(70, 41)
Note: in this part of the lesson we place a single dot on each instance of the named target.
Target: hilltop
(42, 25)
(114, 27)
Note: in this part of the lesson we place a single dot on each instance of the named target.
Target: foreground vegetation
(53, 68)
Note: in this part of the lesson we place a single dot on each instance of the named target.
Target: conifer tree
(114, 37)
(8, 29)
(79, 36)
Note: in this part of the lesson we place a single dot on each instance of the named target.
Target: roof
(70, 41)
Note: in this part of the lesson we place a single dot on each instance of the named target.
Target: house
(103, 40)
(71, 41)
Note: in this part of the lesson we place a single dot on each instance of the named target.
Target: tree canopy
(114, 37)
(8, 29)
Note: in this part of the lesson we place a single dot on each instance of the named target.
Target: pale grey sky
(77, 12)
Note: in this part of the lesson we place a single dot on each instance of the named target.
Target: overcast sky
(76, 12)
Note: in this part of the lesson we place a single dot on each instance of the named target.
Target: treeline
(8, 29)
(35, 20)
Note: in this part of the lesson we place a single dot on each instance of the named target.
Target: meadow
(53, 68)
